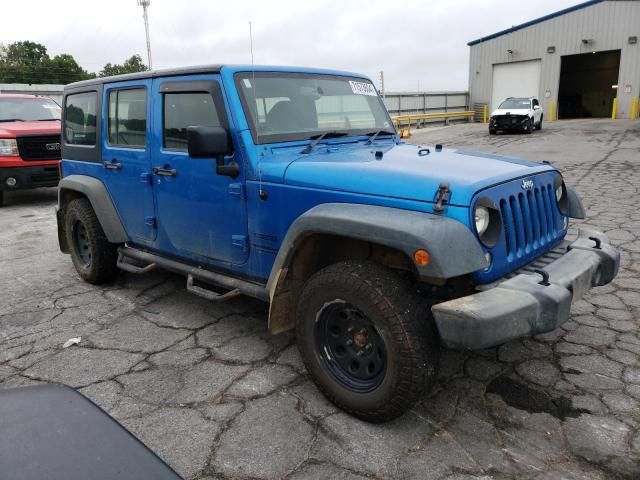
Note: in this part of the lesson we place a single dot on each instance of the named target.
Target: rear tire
(93, 256)
(368, 340)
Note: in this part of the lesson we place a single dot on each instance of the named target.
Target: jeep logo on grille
(52, 147)
(527, 184)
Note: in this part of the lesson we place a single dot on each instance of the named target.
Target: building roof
(559, 13)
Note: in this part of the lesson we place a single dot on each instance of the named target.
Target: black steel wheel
(93, 256)
(367, 339)
(350, 346)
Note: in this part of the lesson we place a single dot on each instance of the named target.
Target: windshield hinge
(441, 197)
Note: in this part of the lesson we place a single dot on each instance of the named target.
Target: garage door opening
(588, 83)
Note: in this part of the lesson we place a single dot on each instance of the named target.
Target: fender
(454, 250)
(100, 200)
(575, 209)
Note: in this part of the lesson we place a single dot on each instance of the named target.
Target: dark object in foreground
(53, 432)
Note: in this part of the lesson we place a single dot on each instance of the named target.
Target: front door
(126, 159)
(201, 215)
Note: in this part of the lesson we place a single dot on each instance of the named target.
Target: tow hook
(597, 241)
(545, 278)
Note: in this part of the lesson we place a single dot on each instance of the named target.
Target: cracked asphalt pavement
(207, 388)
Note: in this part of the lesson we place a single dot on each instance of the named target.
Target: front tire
(539, 125)
(492, 131)
(1, 198)
(93, 256)
(368, 340)
(527, 126)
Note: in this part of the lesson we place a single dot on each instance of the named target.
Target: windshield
(292, 106)
(516, 103)
(28, 109)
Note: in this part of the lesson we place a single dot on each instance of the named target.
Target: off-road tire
(402, 319)
(539, 124)
(101, 267)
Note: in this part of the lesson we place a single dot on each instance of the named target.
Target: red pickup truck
(29, 142)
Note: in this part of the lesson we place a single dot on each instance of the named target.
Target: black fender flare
(100, 200)
(453, 248)
(575, 209)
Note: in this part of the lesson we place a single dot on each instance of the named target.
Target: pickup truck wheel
(539, 124)
(367, 338)
(527, 127)
(93, 256)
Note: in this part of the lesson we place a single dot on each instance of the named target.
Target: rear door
(201, 215)
(126, 159)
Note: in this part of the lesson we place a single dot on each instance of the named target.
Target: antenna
(144, 4)
(261, 193)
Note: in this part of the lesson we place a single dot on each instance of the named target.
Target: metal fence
(411, 103)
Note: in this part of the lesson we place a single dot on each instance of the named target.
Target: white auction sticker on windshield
(362, 88)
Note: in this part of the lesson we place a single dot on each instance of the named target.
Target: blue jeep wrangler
(292, 186)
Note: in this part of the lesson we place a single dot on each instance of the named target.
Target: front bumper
(525, 304)
(30, 176)
(507, 122)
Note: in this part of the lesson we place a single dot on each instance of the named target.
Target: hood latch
(441, 197)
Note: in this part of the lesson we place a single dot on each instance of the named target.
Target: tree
(29, 62)
(131, 65)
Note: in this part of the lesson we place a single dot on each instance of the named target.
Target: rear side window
(127, 124)
(182, 110)
(80, 118)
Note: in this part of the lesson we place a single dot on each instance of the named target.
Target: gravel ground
(209, 390)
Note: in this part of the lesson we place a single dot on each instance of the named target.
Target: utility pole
(382, 83)
(144, 4)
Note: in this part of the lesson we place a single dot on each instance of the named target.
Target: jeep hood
(512, 111)
(405, 171)
(17, 129)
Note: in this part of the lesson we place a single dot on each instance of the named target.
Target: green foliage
(131, 65)
(29, 62)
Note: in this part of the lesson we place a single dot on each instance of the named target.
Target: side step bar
(244, 287)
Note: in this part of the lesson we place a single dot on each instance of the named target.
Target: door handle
(112, 165)
(165, 172)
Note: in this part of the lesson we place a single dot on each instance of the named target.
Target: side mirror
(207, 142)
(536, 107)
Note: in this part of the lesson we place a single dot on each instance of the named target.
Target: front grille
(509, 121)
(39, 147)
(529, 220)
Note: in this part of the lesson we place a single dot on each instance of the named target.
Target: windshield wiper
(375, 134)
(11, 120)
(317, 138)
(47, 120)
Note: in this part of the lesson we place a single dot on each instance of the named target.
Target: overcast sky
(416, 43)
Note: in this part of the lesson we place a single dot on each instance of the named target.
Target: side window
(80, 118)
(535, 102)
(182, 110)
(127, 125)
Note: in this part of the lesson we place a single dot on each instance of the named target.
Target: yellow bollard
(634, 108)
(551, 111)
(614, 109)
(484, 114)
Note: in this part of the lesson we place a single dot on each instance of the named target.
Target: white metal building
(576, 61)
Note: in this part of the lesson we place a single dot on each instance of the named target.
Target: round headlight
(559, 192)
(482, 217)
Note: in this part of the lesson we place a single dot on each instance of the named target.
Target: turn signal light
(422, 258)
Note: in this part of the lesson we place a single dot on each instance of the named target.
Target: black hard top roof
(148, 74)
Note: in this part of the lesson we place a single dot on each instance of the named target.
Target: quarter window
(182, 110)
(80, 118)
(128, 117)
